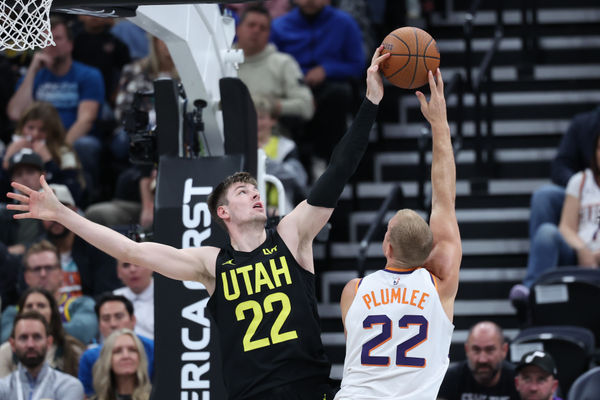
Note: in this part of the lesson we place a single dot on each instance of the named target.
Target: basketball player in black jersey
(262, 285)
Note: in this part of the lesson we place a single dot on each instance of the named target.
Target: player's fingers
(21, 188)
(382, 57)
(422, 99)
(45, 184)
(440, 81)
(432, 84)
(22, 216)
(18, 197)
(18, 207)
(376, 54)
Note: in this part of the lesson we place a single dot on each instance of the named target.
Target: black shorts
(308, 389)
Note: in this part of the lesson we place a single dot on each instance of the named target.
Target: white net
(25, 24)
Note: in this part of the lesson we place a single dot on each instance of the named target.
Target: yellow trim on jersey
(357, 285)
(435, 281)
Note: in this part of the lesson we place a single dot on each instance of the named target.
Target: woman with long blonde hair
(121, 372)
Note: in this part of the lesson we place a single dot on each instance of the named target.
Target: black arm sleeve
(345, 159)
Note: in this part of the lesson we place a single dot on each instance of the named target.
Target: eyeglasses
(38, 270)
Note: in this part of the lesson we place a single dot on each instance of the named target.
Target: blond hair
(104, 378)
(410, 237)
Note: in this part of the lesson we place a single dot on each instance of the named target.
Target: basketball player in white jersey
(398, 320)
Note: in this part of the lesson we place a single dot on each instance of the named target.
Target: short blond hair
(410, 237)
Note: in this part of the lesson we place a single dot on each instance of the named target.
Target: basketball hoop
(25, 24)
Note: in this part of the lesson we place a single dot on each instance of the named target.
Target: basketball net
(25, 24)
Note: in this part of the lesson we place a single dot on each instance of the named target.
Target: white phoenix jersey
(583, 186)
(398, 338)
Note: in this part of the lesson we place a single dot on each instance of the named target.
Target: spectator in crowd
(133, 201)
(139, 289)
(64, 352)
(114, 312)
(30, 340)
(42, 270)
(121, 371)
(26, 167)
(485, 374)
(536, 376)
(327, 44)
(575, 241)
(282, 158)
(575, 153)
(133, 36)
(270, 73)
(75, 89)
(276, 8)
(10, 266)
(40, 129)
(95, 45)
(86, 269)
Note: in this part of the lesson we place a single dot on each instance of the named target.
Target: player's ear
(222, 211)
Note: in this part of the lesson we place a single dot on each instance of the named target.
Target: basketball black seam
(409, 55)
(417, 61)
(400, 69)
(425, 54)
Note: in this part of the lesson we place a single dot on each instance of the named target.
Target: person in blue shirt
(114, 312)
(327, 43)
(75, 89)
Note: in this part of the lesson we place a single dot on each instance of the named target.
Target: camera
(142, 138)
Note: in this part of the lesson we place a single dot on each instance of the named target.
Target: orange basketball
(414, 52)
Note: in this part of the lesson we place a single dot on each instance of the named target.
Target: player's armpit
(347, 298)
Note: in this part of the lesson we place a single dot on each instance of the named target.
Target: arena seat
(566, 296)
(572, 348)
(587, 386)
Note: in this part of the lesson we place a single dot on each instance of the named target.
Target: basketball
(414, 52)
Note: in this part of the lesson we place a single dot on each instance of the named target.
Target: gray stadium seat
(565, 296)
(586, 387)
(572, 348)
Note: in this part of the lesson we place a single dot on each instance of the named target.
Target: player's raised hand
(41, 205)
(435, 110)
(374, 80)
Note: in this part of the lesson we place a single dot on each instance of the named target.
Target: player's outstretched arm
(444, 260)
(187, 264)
(300, 227)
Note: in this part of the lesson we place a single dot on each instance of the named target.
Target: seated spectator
(536, 376)
(282, 158)
(25, 167)
(133, 201)
(575, 153)
(75, 89)
(133, 36)
(575, 241)
(40, 129)
(10, 266)
(42, 270)
(114, 312)
(87, 270)
(121, 371)
(485, 374)
(30, 340)
(96, 46)
(327, 44)
(272, 74)
(65, 350)
(139, 289)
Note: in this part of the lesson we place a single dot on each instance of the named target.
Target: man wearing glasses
(42, 270)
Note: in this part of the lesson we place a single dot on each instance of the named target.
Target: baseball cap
(540, 359)
(63, 194)
(25, 156)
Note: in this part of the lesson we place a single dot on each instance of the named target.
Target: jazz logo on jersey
(268, 252)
